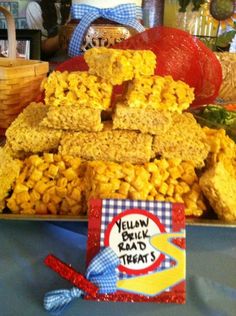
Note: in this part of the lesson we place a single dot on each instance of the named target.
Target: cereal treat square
(219, 186)
(25, 133)
(117, 66)
(185, 139)
(78, 88)
(70, 117)
(158, 92)
(111, 145)
(145, 120)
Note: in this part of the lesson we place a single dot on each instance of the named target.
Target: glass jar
(100, 33)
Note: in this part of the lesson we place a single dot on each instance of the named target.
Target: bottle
(153, 11)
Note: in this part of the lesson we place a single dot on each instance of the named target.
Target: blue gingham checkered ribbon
(101, 272)
(126, 14)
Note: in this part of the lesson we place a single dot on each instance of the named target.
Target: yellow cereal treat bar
(77, 88)
(111, 145)
(25, 133)
(145, 120)
(117, 66)
(9, 171)
(185, 139)
(158, 92)
(48, 184)
(164, 180)
(70, 117)
(219, 186)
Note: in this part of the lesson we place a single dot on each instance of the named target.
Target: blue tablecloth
(24, 279)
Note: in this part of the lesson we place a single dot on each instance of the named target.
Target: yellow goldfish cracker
(78, 88)
(108, 145)
(26, 135)
(185, 139)
(70, 117)
(150, 181)
(145, 120)
(9, 171)
(44, 190)
(162, 93)
(117, 66)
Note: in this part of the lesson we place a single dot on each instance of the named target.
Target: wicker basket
(228, 87)
(20, 79)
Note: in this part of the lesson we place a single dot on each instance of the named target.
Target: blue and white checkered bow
(101, 272)
(126, 14)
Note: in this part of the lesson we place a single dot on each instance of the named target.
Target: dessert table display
(114, 139)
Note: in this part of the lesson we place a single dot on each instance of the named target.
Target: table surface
(24, 279)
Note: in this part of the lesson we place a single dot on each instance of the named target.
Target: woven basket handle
(11, 32)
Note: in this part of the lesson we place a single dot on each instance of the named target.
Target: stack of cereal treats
(147, 149)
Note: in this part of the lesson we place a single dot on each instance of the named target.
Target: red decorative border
(94, 229)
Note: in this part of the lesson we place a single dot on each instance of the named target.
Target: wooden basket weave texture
(20, 79)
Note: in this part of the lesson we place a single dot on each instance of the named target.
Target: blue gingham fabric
(56, 301)
(125, 14)
(102, 271)
(112, 207)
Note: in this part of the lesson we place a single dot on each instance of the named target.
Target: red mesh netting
(179, 55)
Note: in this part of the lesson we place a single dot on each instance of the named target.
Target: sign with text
(148, 237)
(129, 236)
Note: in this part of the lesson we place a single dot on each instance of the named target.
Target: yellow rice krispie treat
(27, 136)
(117, 66)
(145, 120)
(219, 186)
(163, 180)
(158, 92)
(184, 139)
(48, 184)
(70, 117)
(78, 88)
(111, 145)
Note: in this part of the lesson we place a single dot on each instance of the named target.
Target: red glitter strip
(71, 275)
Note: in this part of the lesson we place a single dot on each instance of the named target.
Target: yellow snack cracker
(165, 180)
(9, 171)
(48, 190)
(222, 147)
(117, 66)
